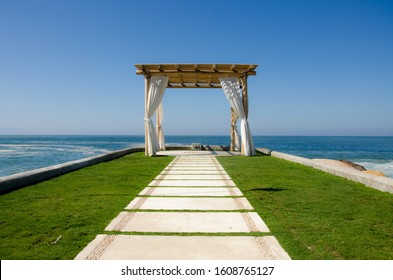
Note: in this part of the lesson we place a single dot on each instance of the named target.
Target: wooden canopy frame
(199, 76)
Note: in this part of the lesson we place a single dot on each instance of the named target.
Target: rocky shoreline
(350, 165)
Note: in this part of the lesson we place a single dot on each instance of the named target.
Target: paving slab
(159, 247)
(196, 153)
(196, 163)
(192, 183)
(174, 203)
(201, 159)
(194, 168)
(197, 160)
(193, 172)
(192, 177)
(189, 191)
(195, 222)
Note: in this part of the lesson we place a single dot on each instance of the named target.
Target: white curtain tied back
(160, 131)
(154, 99)
(237, 135)
(231, 87)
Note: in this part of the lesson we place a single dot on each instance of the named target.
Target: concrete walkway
(191, 210)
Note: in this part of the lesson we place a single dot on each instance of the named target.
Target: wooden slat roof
(195, 75)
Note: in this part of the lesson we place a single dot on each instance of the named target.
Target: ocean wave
(35, 149)
(385, 166)
(7, 151)
(16, 158)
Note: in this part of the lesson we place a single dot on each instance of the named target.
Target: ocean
(24, 153)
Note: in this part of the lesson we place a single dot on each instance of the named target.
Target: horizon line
(197, 135)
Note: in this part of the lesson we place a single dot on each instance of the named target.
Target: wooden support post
(233, 117)
(158, 121)
(147, 86)
(243, 81)
(159, 115)
(244, 94)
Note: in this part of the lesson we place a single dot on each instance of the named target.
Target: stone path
(191, 210)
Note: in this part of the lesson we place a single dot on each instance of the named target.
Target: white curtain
(160, 131)
(237, 135)
(233, 93)
(154, 98)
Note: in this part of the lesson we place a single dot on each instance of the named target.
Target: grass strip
(190, 196)
(313, 214)
(57, 218)
(185, 210)
(256, 233)
(198, 187)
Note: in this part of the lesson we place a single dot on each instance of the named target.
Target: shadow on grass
(269, 189)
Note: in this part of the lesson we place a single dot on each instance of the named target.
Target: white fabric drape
(233, 93)
(237, 135)
(160, 131)
(154, 98)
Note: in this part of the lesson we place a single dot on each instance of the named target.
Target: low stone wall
(384, 184)
(20, 180)
(24, 179)
(178, 147)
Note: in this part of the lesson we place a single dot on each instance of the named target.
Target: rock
(196, 146)
(215, 148)
(375, 172)
(353, 165)
(265, 151)
(332, 162)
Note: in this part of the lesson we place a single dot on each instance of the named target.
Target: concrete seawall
(20, 180)
(24, 179)
(384, 184)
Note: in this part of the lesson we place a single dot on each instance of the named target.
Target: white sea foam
(19, 145)
(383, 166)
(7, 151)
(88, 150)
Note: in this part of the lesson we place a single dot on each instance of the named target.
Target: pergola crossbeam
(185, 69)
(185, 72)
(193, 85)
(197, 75)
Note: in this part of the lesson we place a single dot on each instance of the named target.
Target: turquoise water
(23, 153)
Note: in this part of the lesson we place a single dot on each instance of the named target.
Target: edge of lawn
(314, 214)
(56, 219)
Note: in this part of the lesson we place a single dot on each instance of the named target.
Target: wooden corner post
(233, 136)
(243, 81)
(147, 86)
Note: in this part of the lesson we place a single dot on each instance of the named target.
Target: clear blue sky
(325, 67)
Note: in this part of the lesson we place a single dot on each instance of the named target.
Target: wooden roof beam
(195, 86)
(189, 67)
(186, 73)
(252, 67)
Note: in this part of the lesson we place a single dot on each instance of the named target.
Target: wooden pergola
(199, 76)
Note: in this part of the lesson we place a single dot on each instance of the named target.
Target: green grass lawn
(76, 206)
(313, 214)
